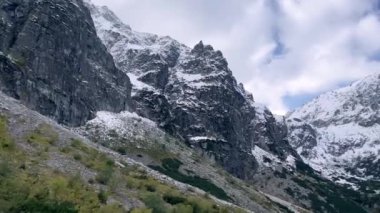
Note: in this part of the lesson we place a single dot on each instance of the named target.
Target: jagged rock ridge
(192, 94)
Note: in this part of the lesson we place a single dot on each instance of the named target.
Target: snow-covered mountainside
(338, 133)
(192, 94)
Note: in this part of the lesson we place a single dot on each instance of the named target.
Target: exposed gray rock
(192, 94)
(54, 62)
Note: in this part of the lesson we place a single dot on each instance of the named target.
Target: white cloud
(277, 48)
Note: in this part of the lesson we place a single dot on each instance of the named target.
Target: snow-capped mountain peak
(338, 133)
(359, 102)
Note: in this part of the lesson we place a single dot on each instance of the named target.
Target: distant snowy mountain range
(338, 133)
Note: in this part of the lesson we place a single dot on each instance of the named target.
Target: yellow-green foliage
(156, 151)
(114, 208)
(6, 142)
(25, 191)
(174, 201)
(26, 186)
(183, 208)
(141, 210)
(90, 157)
(8, 152)
(43, 135)
(158, 197)
(161, 198)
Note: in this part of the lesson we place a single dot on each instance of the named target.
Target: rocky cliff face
(338, 133)
(191, 93)
(52, 60)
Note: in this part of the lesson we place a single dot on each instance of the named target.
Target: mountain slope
(196, 121)
(52, 60)
(47, 168)
(338, 134)
(345, 127)
(191, 93)
(54, 63)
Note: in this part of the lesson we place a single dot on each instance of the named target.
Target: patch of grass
(173, 199)
(6, 142)
(77, 157)
(65, 150)
(159, 197)
(328, 196)
(91, 158)
(155, 202)
(103, 196)
(35, 205)
(122, 150)
(43, 135)
(76, 143)
(114, 208)
(5, 169)
(35, 189)
(337, 199)
(183, 208)
(155, 151)
(142, 210)
(170, 168)
(27, 186)
(104, 176)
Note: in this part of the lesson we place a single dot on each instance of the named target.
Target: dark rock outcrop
(53, 61)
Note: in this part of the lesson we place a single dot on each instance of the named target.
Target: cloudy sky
(284, 51)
